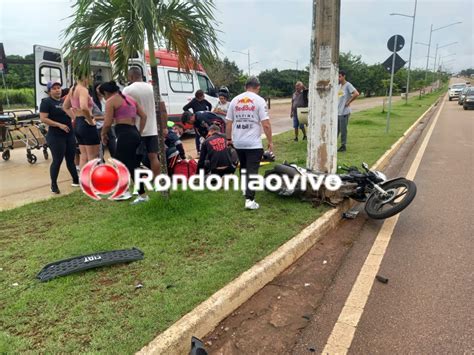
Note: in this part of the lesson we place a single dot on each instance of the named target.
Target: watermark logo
(99, 180)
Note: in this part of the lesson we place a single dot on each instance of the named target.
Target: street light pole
(428, 55)
(411, 47)
(291, 61)
(248, 58)
(429, 43)
(436, 53)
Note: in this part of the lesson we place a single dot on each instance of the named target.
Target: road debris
(381, 279)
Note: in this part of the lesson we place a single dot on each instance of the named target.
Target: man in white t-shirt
(142, 93)
(248, 114)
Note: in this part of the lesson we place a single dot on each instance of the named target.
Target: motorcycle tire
(282, 191)
(374, 205)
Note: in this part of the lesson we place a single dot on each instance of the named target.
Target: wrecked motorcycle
(383, 198)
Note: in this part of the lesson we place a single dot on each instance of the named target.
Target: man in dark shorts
(142, 93)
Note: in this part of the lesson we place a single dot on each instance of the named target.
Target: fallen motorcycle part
(351, 214)
(90, 261)
(197, 347)
(381, 279)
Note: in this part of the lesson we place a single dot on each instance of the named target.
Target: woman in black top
(199, 103)
(60, 137)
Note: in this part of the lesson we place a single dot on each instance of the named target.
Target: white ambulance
(177, 86)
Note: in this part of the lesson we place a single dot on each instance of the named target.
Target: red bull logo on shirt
(245, 104)
(245, 100)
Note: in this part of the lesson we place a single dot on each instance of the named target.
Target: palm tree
(186, 27)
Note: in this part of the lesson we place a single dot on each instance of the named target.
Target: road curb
(207, 315)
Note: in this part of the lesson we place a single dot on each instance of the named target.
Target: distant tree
(225, 73)
(20, 75)
(467, 72)
(281, 83)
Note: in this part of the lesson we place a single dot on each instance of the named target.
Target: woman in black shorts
(123, 110)
(79, 104)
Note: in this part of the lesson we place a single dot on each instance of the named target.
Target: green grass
(194, 244)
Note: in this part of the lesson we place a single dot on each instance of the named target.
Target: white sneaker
(251, 205)
(135, 192)
(140, 199)
(125, 196)
(75, 184)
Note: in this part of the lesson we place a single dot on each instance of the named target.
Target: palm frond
(186, 27)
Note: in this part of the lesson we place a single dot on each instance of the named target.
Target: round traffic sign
(391, 43)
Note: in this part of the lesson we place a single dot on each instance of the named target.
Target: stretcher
(19, 125)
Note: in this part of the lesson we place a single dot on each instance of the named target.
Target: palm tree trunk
(158, 105)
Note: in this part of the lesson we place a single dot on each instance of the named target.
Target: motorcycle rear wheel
(401, 193)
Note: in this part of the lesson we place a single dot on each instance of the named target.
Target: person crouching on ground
(201, 122)
(216, 157)
(174, 147)
(60, 136)
(122, 110)
(246, 116)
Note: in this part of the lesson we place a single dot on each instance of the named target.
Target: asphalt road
(426, 307)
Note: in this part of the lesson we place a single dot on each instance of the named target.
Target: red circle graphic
(104, 179)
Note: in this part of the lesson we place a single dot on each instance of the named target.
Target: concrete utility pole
(323, 86)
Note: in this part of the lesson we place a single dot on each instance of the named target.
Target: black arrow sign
(399, 63)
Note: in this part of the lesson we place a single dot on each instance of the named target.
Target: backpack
(186, 168)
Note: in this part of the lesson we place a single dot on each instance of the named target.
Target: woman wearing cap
(79, 104)
(60, 136)
(122, 110)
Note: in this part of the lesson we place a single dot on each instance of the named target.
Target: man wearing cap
(60, 137)
(247, 114)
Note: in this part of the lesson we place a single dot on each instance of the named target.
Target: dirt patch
(271, 321)
(280, 110)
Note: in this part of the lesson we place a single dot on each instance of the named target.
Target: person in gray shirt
(297, 100)
(347, 93)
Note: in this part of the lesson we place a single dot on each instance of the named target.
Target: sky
(278, 32)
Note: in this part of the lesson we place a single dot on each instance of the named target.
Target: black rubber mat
(90, 261)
